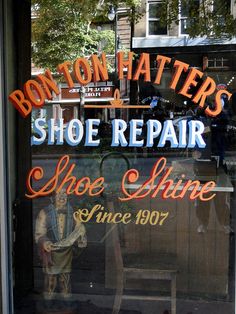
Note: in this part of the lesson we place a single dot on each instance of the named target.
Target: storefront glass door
(132, 201)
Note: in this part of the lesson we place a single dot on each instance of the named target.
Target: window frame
(148, 2)
(181, 18)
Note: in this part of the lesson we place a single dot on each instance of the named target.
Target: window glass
(154, 10)
(132, 186)
(155, 28)
(219, 6)
(83, 265)
(186, 12)
(155, 25)
(221, 9)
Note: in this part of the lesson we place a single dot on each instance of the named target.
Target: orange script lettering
(165, 186)
(63, 178)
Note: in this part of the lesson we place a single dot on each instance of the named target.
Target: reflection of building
(205, 256)
(215, 57)
(70, 102)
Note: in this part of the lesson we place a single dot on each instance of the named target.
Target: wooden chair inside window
(138, 268)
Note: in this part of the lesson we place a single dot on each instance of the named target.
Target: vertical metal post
(116, 24)
(5, 272)
(82, 102)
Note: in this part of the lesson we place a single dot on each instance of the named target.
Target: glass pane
(184, 9)
(221, 7)
(155, 10)
(189, 8)
(184, 26)
(155, 28)
(133, 193)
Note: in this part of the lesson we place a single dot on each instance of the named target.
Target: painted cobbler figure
(56, 232)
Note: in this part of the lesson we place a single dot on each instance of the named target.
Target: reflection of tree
(63, 30)
(206, 17)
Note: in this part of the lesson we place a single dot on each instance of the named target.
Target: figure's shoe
(66, 295)
(202, 229)
(49, 295)
(227, 229)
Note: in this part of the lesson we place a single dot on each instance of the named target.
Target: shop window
(155, 25)
(219, 62)
(154, 200)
